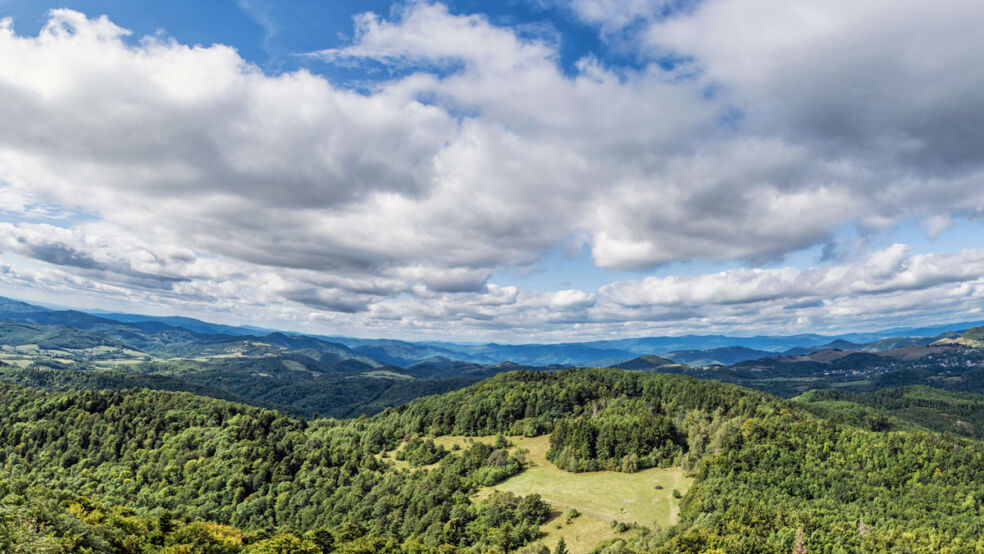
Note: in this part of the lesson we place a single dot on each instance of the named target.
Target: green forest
(159, 471)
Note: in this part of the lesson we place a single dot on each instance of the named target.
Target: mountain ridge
(166, 335)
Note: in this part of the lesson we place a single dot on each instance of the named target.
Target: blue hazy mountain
(190, 324)
(145, 331)
(725, 355)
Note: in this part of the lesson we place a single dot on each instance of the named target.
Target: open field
(17, 361)
(600, 497)
(386, 374)
(25, 355)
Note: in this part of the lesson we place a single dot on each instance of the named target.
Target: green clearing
(385, 374)
(111, 364)
(848, 384)
(600, 496)
(17, 362)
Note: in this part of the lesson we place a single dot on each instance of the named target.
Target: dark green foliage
(302, 386)
(903, 408)
(348, 396)
(263, 383)
(231, 464)
(75, 379)
(283, 544)
(916, 492)
(420, 452)
(20, 531)
(615, 443)
(154, 468)
(52, 336)
(763, 467)
(510, 402)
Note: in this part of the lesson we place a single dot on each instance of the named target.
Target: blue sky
(272, 34)
(496, 170)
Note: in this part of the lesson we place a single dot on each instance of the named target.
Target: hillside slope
(973, 338)
(53, 337)
(762, 467)
(922, 407)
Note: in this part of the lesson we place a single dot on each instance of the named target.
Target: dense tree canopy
(149, 471)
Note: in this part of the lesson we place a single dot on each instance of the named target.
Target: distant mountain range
(173, 335)
(344, 377)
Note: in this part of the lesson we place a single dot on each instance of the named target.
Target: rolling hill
(647, 363)
(53, 337)
(914, 407)
(173, 336)
(726, 355)
(973, 338)
(153, 471)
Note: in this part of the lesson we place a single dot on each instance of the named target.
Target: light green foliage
(20, 533)
(283, 544)
(420, 452)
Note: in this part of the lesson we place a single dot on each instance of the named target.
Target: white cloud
(210, 181)
(613, 16)
(882, 81)
(860, 295)
(890, 270)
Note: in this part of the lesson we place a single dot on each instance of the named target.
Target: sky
(522, 170)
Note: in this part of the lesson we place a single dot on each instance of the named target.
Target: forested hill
(133, 471)
(909, 407)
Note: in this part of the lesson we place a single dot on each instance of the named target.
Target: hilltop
(973, 338)
(647, 363)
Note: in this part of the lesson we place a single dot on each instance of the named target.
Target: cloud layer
(193, 179)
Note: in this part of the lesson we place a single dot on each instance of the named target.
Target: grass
(386, 374)
(113, 364)
(17, 362)
(390, 457)
(858, 383)
(25, 355)
(600, 496)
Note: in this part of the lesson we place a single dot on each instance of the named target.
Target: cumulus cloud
(206, 181)
(891, 82)
(99, 250)
(868, 292)
(614, 16)
(873, 291)
(891, 270)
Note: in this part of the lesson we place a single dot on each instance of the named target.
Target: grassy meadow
(644, 498)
